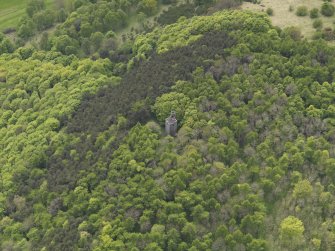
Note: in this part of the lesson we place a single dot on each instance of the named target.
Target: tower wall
(171, 125)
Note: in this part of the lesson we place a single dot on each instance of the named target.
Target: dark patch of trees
(132, 99)
(174, 12)
(145, 82)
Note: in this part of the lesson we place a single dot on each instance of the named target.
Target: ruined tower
(171, 124)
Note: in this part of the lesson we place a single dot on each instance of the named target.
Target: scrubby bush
(269, 11)
(292, 32)
(317, 24)
(327, 9)
(302, 11)
(328, 34)
(314, 13)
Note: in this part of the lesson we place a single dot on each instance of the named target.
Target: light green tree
(172, 101)
(302, 190)
(291, 233)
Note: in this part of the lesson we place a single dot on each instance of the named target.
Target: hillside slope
(85, 163)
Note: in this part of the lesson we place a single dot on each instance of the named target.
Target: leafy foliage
(86, 165)
(314, 13)
(37, 96)
(302, 11)
(185, 32)
(327, 9)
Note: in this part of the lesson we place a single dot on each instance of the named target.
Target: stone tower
(171, 124)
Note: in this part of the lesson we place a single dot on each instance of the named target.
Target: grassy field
(12, 10)
(282, 17)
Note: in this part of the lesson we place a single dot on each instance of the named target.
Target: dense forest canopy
(85, 163)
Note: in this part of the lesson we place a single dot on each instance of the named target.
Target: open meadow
(12, 10)
(284, 14)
